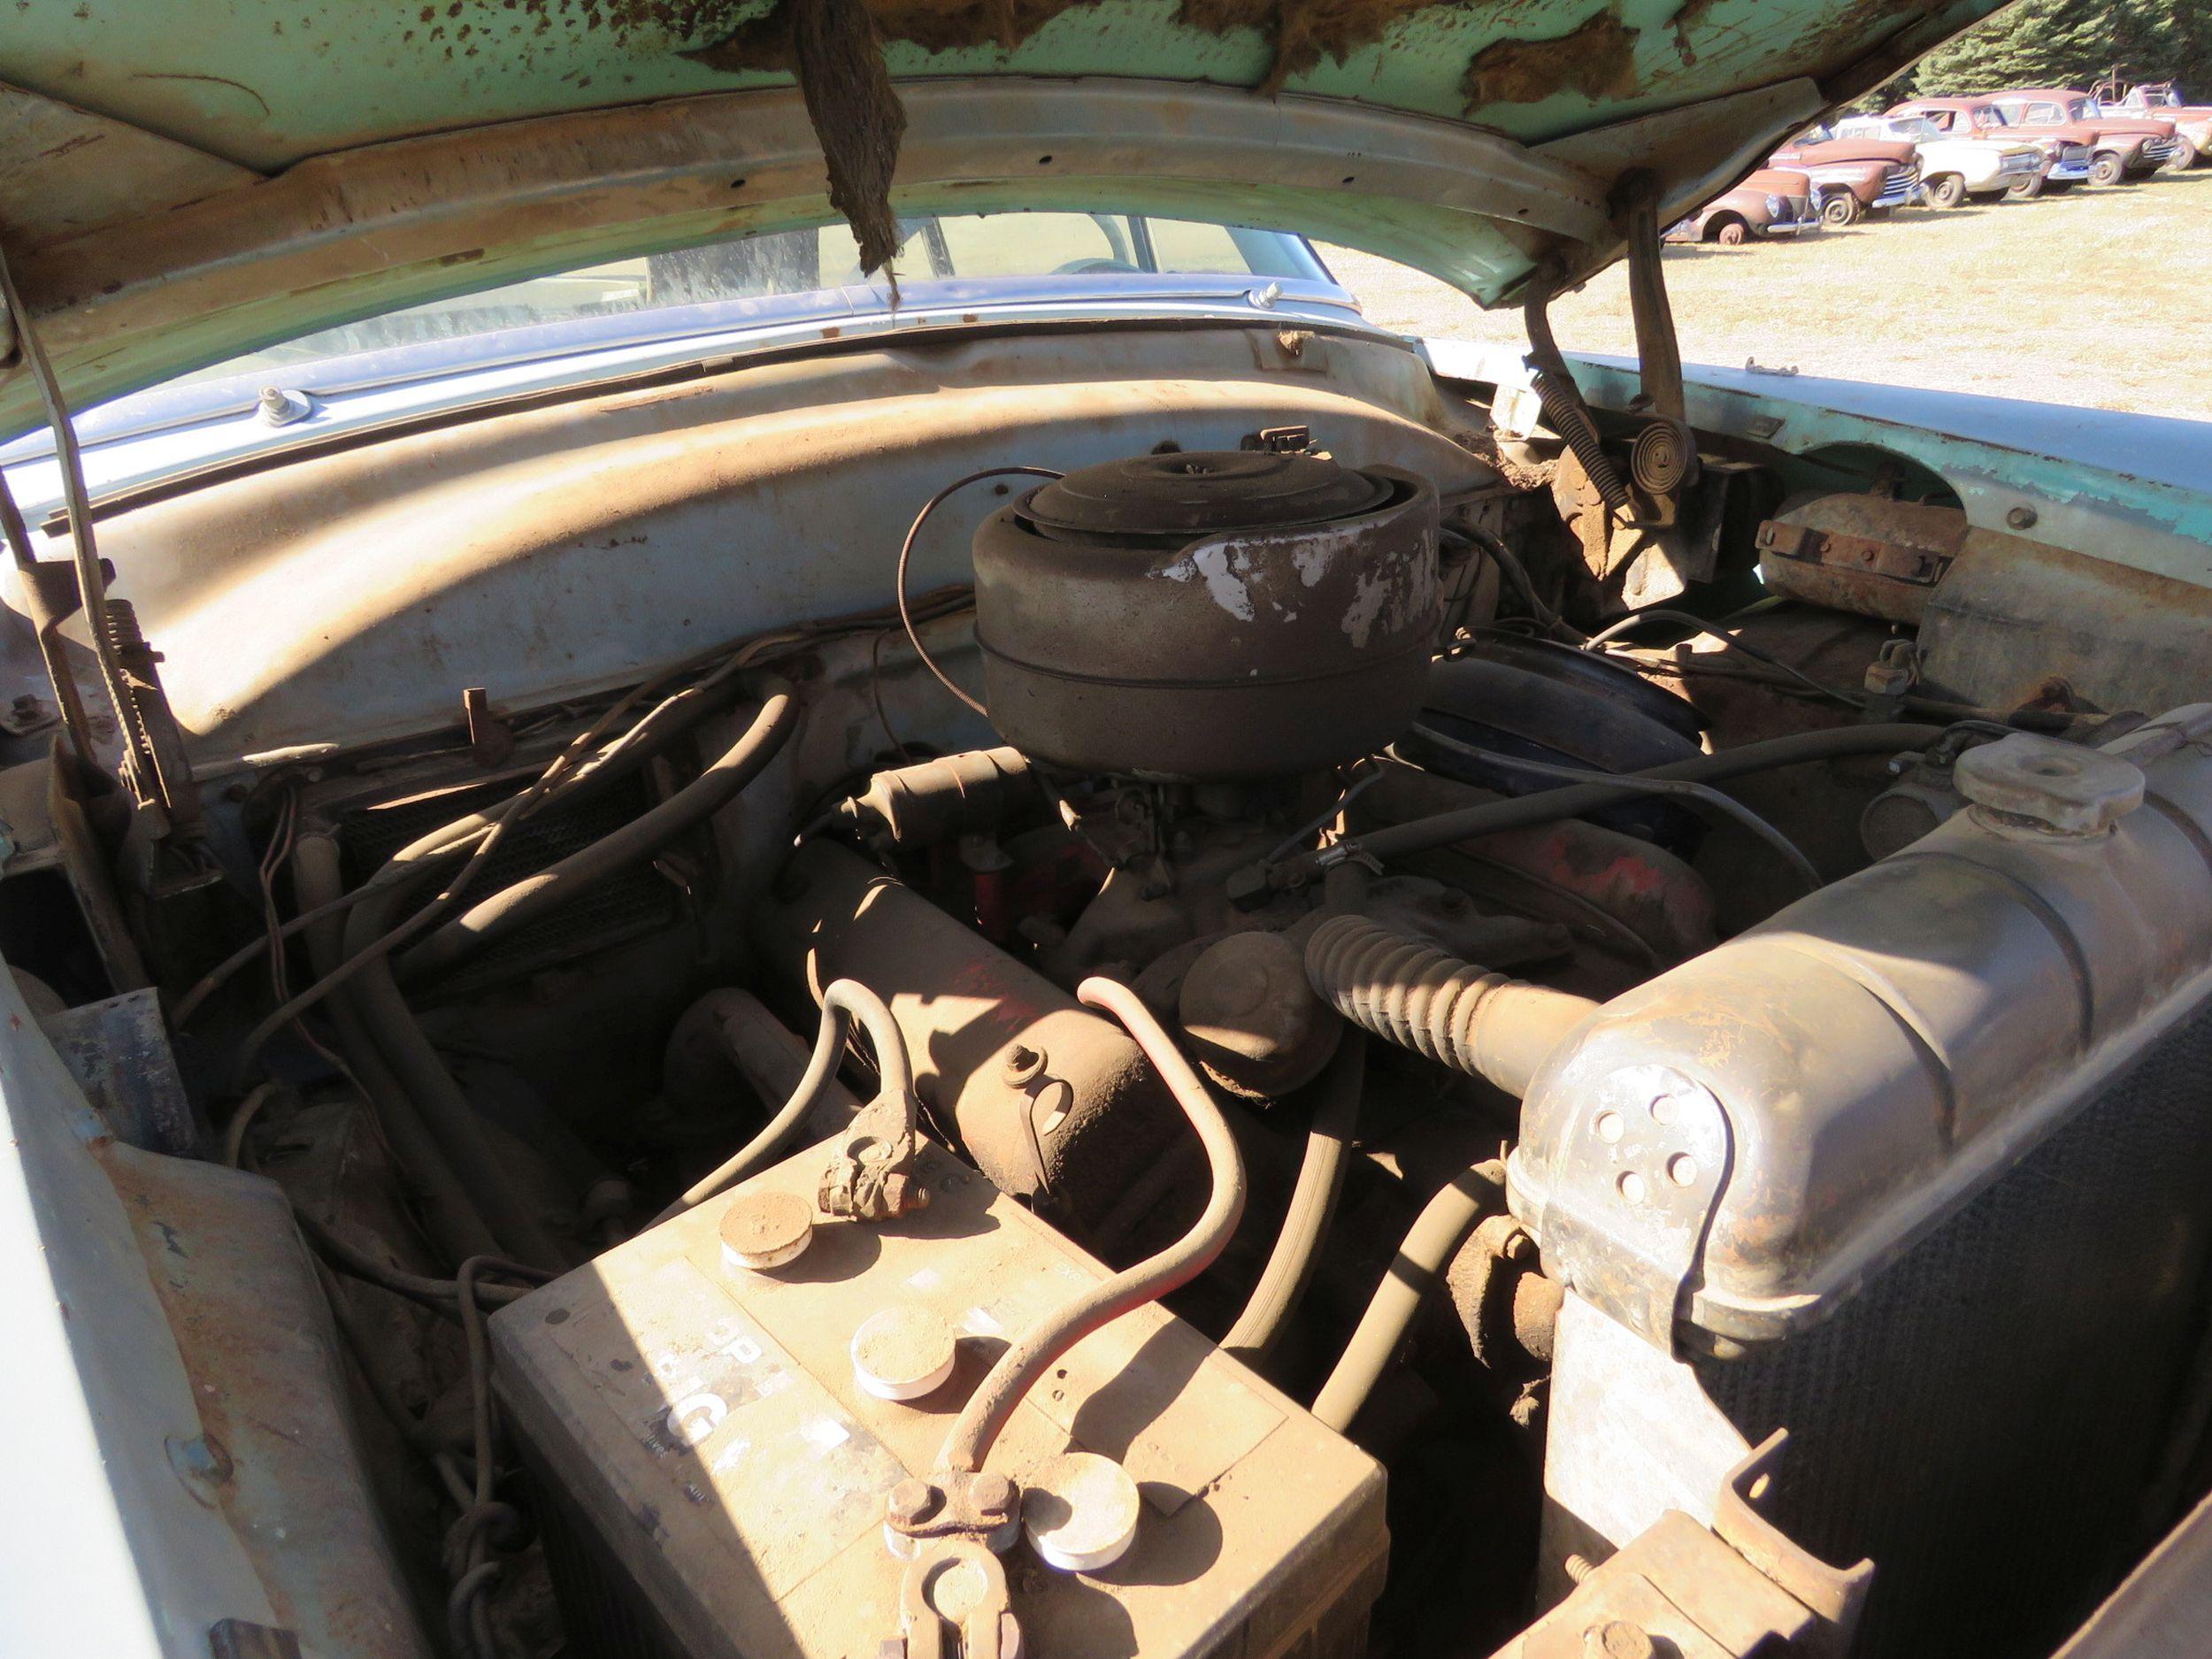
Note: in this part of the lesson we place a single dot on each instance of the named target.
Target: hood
(1829, 152)
(2132, 127)
(186, 183)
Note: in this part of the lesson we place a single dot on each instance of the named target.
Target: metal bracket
(490, 742)
(1279, 440)
(1834, 1594)
(1735, 1591)
(1892, 561)
(1638, 1174)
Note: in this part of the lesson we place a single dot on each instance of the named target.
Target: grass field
(2100, 297)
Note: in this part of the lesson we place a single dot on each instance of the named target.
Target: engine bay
(1331, 1019)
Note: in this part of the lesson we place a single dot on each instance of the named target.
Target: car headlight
(1777, 207)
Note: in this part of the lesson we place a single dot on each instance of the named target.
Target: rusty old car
(2162, 100)
(1955, 167)
(1773, 202)
(793, 864)
(2121, 148)
(1854, 173)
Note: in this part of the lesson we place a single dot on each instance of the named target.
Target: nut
(995, 1497)
(1023, 1066)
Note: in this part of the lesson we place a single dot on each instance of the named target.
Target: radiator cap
(2028, 781)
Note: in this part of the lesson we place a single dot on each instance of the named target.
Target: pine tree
(2073, 44)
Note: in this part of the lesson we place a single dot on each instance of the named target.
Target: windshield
(1003, 248)
(602, 321)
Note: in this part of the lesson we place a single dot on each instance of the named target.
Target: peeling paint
(1224, 571)
(1597, 60)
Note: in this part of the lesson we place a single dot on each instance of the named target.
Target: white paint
(1223, 571)
(697, 1415)
(1369, 601)
(1311, 561)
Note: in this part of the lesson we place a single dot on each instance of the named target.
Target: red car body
(2117, 146)
(1852, 177)
(1772, 202)
(2153, 136)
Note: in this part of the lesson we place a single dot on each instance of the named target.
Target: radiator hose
(1437, 1233)
(1282, 1282)
(1406, 990)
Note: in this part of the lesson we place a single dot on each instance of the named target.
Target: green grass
(2099, 298)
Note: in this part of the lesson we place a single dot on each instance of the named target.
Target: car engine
(1266, 1081)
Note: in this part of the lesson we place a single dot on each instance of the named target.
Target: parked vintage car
(2162, 99)
(1854, 173)
(959, 926)
(2062, 143)
(1773, 202)
(2039, 106)
(1956, 164)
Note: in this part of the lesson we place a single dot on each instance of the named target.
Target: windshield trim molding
(1333, 321)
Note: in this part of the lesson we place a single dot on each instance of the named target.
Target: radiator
(1983, 1420)
(1919, 1169)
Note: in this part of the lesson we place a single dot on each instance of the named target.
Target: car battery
(711, 1457)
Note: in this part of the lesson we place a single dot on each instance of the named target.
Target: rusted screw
(912, 1501)
(2021, 517)
(1023, 1066)
(993, 1496)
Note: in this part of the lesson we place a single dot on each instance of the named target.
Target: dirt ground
(2102, 297)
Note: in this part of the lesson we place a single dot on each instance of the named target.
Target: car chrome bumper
(2067, 172)
(1792, 227)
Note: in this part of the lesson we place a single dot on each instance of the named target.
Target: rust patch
(1303, 32)
(1596, 60)
(1683, 22)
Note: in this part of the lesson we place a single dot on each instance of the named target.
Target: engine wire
(906, 553)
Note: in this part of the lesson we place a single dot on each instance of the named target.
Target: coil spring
(1563, 408)
(1401, 988)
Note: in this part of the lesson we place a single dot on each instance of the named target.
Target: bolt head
(1023, 1066)
(911, 1502)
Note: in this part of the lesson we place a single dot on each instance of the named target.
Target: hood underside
(182, 183)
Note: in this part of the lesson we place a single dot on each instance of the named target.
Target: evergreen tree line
(2071, 43)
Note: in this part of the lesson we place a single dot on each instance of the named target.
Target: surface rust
(1597, 60)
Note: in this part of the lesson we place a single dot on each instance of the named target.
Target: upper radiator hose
(1406, 991)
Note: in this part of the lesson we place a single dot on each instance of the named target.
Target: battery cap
(1080, 1511)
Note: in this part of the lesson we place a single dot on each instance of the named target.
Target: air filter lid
(1179, 496)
